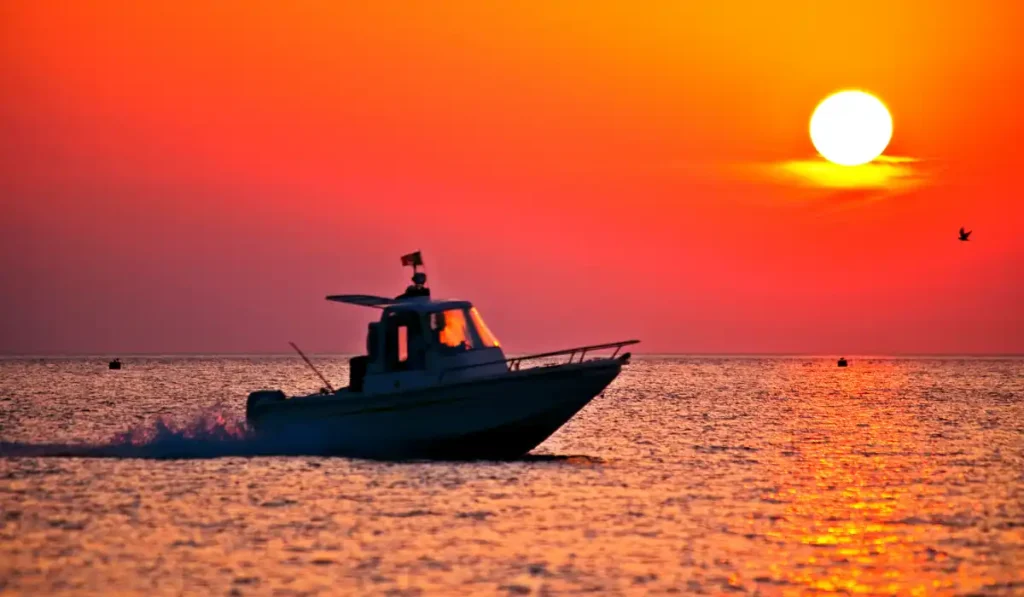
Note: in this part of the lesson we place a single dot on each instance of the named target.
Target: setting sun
(851, 128)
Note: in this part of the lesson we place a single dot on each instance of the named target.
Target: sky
(196, 176)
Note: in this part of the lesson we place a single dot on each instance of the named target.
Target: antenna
(315, 370)
(419, 279)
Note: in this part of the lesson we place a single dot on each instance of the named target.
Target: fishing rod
(315, 370)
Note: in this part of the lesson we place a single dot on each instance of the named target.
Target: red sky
(196, 176)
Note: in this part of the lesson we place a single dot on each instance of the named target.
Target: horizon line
(17, 355)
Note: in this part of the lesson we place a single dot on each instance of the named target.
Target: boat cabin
(422, 342)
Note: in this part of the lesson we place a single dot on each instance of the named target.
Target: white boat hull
(498, 417)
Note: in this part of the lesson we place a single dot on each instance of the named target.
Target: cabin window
(487, 338)
(403, 344)
(373, 342)
(452, 330)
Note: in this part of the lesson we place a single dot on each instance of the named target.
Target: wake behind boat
(436, 384)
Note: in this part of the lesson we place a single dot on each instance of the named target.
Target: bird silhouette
(965, 235)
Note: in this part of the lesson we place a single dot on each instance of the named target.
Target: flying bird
(965, 234)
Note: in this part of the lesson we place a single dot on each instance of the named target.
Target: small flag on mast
(413, 259)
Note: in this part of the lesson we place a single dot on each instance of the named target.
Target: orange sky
(196, 176)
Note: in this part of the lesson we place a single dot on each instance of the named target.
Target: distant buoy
(115, 364)
(842, 362)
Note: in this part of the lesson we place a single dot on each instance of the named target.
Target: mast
(419, 279)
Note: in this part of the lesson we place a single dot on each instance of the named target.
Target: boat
(114, 365)
(842, 362)
(436, 384)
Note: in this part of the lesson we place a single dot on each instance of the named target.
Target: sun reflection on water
(858, 498)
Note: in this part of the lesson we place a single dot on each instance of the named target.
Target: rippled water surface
(689, 475)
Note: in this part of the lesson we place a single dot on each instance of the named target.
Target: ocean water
(689, 476)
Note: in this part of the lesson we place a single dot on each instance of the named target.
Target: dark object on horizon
(842, 362)
(115, 364)
(965, 235)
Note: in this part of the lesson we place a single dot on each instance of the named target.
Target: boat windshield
(486, 336)
(454, 329)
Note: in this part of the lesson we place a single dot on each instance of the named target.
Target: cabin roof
(425, 305)
(419, 304)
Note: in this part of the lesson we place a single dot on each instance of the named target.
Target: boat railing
(515, 363)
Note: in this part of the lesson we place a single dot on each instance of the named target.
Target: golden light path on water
(860, 506)
(695, 475)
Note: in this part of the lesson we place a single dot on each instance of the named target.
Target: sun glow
(851, 128)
